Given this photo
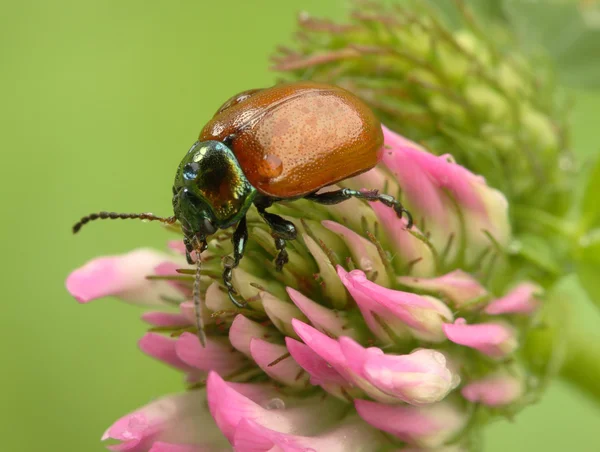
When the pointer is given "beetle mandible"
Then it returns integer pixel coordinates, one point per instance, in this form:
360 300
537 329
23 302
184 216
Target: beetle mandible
263 146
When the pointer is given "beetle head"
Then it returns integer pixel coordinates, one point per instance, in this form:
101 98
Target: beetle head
210 190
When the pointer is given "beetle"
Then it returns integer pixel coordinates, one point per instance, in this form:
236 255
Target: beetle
263 146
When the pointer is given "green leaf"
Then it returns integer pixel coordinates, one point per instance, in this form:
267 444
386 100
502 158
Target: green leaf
590 206
567 30
540 252
588 265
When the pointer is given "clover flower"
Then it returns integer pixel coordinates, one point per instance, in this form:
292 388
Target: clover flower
373 336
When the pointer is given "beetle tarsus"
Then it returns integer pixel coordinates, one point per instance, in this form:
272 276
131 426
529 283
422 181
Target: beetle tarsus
282 257
239 240
338 196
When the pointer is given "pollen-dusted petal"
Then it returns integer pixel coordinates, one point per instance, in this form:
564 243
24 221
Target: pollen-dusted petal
403 312
181 416
285 371
218 355
411 253
364 253
165 319
243 330
228 407
163 348
331 286
424 426
281 313
332 323
520 300
123 276
354 435
457 286
418 378
498 389
495 339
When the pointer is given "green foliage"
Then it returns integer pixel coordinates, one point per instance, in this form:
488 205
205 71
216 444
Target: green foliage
590 206
568 31
588 265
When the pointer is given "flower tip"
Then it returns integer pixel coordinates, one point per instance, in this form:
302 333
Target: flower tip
80 285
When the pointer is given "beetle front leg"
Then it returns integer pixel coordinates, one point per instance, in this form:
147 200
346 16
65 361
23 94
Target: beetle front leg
239 240
338 196
281 230
188 251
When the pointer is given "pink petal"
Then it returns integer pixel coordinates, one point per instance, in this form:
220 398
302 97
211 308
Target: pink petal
243 330
330 322
123 276
355 357
496 340
494 390
424 426
369 308
433 187
418 378
410 251
165 319
403 311
163 349
286 371
521 300
458 286
166 447
174 416
364 253
217 355
353 436
228 407
328 349
320 371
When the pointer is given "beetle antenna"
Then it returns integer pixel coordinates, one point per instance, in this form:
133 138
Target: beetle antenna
196 294
121 216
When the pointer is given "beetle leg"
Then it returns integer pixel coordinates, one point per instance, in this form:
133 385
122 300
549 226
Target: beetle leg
188 251
281 230
239 240
337 196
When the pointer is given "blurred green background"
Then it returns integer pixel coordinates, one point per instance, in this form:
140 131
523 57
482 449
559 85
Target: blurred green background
100 99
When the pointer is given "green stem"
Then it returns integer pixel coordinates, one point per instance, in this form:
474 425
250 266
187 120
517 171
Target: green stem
581 368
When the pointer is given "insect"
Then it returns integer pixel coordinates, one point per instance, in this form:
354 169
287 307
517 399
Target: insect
261 147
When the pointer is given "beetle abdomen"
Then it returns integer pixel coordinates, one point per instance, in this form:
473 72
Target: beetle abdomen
293 139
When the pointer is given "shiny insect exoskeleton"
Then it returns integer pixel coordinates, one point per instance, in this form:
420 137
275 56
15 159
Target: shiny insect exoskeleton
263 146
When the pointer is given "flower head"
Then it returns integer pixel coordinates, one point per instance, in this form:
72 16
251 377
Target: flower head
370 347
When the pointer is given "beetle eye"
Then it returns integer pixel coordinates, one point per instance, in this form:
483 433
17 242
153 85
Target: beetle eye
190 171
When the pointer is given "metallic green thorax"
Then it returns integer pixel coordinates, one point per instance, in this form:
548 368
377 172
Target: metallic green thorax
210 189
